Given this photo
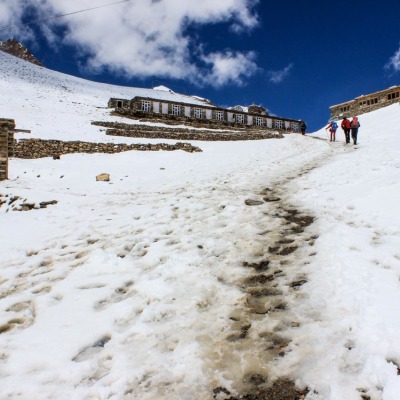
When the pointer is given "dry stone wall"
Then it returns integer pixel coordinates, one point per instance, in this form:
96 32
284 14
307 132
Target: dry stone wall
154 132
38 148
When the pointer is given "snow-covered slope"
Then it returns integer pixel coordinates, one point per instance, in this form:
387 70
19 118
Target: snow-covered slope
59 106
135 289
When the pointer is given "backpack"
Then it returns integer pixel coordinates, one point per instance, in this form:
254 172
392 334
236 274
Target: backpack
355 123
334 126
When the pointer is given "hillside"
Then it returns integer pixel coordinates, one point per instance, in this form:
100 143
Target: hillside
242 270
58 106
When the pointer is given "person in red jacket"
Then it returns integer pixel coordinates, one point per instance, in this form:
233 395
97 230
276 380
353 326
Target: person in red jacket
346 129
332 129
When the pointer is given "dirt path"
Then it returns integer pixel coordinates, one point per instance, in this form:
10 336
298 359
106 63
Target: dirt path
263 323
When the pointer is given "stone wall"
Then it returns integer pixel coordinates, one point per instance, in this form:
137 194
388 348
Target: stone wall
366 103
6 145
38 148
153 132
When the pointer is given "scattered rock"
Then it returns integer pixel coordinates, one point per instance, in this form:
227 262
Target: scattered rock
287 250
251 202
27 206
270 199
281 389
103 177
260 266
297 284
258 279
264 292
44 204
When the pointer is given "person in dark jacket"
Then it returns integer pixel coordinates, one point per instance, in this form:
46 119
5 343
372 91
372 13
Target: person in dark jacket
303 127
346 129
354 125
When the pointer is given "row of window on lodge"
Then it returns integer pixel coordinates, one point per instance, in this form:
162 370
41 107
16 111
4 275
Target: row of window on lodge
199 113
370 102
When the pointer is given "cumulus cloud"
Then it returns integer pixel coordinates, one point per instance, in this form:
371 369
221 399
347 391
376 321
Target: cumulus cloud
394 62
279 76
230 67
142 38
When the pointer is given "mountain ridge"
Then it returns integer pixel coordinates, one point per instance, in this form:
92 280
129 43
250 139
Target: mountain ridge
17 49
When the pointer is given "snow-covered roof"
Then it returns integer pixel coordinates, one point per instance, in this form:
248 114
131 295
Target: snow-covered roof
163 89
239 108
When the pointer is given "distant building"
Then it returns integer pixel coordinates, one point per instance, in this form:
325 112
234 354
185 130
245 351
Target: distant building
366 103
201 112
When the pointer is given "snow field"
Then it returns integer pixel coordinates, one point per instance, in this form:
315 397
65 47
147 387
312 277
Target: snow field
135 288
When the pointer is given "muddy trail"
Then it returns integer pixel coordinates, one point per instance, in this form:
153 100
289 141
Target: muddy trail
263 323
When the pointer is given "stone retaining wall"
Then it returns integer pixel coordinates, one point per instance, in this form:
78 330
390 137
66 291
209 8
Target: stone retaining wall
38 148
154 132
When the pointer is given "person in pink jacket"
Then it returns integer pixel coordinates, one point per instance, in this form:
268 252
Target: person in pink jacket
354 125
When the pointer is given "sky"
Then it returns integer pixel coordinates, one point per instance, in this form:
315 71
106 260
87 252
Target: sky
137 288
294 58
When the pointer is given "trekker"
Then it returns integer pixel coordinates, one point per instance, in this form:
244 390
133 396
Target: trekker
303 127
346 129
332 129
354 125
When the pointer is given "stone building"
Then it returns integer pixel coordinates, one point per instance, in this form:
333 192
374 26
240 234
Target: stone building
202 113
6 145
366 103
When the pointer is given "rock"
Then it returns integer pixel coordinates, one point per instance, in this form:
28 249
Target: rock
270 199
27 206
251 202
44 204
103 177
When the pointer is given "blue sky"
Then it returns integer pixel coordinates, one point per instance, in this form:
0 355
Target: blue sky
295 58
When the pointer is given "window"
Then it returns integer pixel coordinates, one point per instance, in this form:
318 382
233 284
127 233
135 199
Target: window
372 101
240 119
176 110
197 113
344 109
219 115
259 121
368 102
146 106
278 124
394 95
294 126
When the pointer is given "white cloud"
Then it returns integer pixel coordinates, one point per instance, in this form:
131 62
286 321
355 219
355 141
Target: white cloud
394 62
147 37
279 76
229 67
